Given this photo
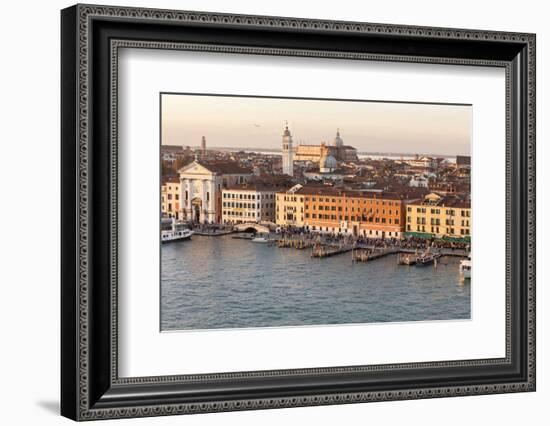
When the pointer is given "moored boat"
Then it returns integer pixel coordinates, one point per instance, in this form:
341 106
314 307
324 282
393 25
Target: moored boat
245 236
178 231
426 259
465 269
259 240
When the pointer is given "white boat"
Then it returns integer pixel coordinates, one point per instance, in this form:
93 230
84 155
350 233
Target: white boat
426 259
465 269
259 240
177 232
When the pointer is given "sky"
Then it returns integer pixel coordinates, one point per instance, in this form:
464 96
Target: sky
248 122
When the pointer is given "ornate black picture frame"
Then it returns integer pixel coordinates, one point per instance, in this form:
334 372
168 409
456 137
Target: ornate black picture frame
91 388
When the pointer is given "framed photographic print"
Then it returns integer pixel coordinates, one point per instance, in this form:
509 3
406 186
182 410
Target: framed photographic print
263 212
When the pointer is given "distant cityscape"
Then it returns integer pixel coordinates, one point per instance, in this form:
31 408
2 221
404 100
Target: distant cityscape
359 153
327 188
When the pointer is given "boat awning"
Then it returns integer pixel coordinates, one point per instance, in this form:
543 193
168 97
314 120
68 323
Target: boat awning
419 235
465 239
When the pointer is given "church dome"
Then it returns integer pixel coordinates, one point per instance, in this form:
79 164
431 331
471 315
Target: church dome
338 141
327 163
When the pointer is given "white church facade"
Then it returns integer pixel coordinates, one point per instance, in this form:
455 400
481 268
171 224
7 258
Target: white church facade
201 186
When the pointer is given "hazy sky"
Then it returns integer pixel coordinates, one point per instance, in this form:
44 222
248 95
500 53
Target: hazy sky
368 126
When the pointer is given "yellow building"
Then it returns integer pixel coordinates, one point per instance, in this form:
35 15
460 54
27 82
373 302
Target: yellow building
446 217
289 208
170 199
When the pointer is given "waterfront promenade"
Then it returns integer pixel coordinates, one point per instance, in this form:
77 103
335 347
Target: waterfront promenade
328 245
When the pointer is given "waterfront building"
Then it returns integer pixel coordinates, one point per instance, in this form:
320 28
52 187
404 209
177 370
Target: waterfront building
170 198
248 202
440 216
374 214
289 208
288 153
201 185
337 211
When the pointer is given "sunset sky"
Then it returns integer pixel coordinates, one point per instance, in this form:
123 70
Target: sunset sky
245 122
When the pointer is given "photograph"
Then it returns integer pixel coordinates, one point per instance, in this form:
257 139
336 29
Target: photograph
272 208
288 212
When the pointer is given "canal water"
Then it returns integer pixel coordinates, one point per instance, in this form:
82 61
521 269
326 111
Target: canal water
222 282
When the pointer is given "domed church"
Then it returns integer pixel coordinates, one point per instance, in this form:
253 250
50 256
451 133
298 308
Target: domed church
336 150
327 162
338 142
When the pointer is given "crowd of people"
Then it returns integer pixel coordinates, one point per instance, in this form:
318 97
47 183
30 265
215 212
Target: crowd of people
409 242
347 239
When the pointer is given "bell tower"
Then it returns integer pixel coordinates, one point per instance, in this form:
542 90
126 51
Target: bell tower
288 152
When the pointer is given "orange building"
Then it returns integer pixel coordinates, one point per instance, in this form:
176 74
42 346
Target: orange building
358 213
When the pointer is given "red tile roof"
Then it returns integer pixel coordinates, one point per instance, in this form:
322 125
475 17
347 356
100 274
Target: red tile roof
225 167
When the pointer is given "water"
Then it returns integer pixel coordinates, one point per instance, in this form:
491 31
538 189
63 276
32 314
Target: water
222 282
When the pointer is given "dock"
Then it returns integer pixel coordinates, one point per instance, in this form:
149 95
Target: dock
322 251
298 244
366 255
407 259
360 252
